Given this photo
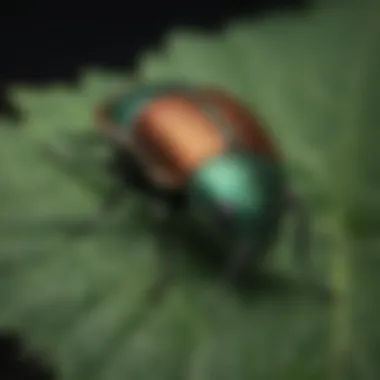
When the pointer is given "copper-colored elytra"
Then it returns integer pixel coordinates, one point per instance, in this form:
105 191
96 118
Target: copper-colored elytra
157 164
174 134
248 129
179 134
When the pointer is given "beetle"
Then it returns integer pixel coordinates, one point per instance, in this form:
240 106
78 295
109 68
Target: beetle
198 151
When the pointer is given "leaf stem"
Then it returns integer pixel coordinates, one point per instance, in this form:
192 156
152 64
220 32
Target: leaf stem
341 184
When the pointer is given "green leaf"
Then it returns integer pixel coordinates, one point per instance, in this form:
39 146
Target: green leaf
313 77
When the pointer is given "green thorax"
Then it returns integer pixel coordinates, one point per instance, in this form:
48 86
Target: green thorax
128 106
238 193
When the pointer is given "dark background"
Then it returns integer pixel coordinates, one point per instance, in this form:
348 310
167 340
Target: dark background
43 42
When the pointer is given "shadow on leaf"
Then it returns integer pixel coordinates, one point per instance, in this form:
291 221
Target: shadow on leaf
17 363
203 259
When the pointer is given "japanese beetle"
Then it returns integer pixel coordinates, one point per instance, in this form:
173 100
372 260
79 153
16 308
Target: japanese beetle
200 152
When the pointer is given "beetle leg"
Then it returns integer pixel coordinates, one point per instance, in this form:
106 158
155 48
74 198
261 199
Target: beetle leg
160 213
167 211
240 258
164 218
127 175
109 205
238 261
70 167
163 278
302 245
302 234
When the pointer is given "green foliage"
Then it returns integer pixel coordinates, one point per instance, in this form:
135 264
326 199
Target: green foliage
314 79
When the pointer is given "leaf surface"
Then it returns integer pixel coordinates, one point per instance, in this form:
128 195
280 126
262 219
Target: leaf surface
314 80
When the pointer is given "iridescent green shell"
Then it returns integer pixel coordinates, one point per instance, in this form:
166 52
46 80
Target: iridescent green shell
249 187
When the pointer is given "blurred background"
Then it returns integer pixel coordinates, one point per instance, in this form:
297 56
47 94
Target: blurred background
44 42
